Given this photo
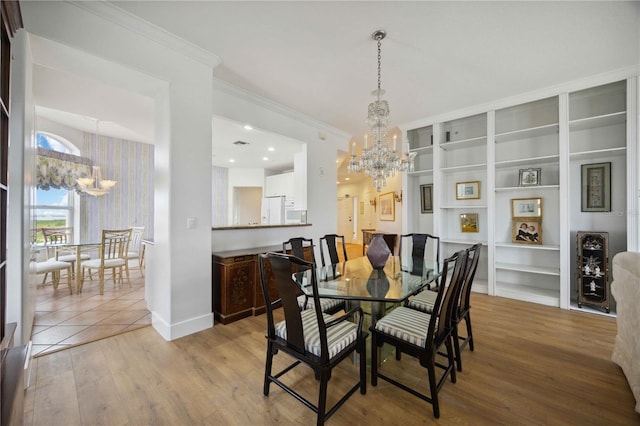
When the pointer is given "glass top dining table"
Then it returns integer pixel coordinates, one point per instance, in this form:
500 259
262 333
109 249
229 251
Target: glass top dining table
357 280
78 246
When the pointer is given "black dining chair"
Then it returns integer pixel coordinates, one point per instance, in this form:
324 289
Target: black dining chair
422 335
416 246
303 248
310 337
329 244
425 301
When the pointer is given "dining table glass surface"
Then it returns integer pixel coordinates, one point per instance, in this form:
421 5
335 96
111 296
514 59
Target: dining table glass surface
356 279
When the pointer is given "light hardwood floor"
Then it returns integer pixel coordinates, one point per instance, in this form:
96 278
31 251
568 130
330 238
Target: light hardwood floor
533 365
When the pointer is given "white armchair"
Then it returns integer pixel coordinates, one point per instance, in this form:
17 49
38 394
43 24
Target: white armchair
626 290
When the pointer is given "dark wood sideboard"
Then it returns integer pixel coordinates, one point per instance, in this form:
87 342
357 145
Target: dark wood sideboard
367 235
237 292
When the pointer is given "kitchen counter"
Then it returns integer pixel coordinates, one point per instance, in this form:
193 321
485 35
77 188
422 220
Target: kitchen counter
289 225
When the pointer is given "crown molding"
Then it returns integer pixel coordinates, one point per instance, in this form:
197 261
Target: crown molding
555 90
133 23
278 108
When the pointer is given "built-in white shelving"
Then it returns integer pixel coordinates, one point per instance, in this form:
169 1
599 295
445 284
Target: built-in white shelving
557 135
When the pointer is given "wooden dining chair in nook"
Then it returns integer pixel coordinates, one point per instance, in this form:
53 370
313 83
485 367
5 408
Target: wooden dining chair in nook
425 301
54 236
303 248
310 337
53 267
136 248
422 335
112 254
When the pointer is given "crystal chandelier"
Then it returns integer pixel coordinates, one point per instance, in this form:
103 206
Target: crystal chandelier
380 160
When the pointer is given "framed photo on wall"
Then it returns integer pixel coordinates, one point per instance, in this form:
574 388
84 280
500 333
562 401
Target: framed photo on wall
529 177
526 230
467 190
526 207
387 207
596 187
469 222
426 198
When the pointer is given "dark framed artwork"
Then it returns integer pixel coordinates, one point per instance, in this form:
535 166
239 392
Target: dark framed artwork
526 230
596 187
426 198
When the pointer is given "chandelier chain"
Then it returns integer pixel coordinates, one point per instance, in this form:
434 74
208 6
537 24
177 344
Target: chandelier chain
379 61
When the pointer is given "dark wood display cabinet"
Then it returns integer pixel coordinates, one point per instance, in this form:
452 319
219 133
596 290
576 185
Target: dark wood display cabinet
593 270
237 292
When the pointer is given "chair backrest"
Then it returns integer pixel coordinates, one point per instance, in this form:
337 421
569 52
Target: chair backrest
115 244
56 235
297 245
330 242
136 239
447 298
417 246
288 289
473 257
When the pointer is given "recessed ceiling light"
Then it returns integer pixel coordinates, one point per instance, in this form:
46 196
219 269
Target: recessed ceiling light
347 178
337 161
248 127
265 158
338 182
271 148
231 160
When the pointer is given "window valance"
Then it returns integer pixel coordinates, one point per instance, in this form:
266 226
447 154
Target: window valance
59 170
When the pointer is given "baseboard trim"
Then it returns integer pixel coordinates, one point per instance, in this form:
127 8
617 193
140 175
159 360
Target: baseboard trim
184 328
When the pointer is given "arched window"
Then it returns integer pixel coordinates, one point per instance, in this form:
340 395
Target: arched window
54 207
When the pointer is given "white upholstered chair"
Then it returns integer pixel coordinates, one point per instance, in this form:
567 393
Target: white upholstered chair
136 249
112 255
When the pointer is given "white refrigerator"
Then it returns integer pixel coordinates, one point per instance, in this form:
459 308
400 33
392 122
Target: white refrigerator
272 211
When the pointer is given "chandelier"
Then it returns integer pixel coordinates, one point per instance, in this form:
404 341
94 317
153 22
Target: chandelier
380 160
95 185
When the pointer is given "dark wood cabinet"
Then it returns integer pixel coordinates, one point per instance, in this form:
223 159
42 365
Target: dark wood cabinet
367 235
237 292
593 270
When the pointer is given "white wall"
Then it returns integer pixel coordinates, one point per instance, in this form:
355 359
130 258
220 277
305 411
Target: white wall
120 53
21 286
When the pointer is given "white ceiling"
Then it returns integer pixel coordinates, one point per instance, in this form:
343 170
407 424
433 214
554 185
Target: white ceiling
318 57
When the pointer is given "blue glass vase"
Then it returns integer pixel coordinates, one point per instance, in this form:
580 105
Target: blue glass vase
378 251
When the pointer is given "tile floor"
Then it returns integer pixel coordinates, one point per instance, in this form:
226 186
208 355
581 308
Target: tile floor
63 320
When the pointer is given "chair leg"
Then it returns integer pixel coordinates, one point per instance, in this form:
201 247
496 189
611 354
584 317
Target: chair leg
456 347
450 358
126 270
322 398
101 277
267 369
56 279
374 359
467 320
69 281
433 386
363 366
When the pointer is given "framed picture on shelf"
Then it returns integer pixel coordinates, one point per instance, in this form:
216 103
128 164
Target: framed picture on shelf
426 198
387 207
526 230
526 207
529 177
467 190
469 222
596 187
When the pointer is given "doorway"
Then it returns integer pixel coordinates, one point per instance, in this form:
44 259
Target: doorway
347 218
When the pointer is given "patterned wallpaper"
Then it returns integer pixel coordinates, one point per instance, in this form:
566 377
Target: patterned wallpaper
130 202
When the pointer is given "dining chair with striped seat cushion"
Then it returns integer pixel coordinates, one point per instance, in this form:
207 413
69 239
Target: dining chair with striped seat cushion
425 301
330 306
311 337
422 335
